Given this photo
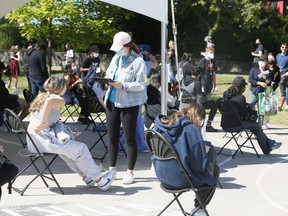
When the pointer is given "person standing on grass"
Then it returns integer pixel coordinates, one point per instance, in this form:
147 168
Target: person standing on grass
14 65
123 98
37 68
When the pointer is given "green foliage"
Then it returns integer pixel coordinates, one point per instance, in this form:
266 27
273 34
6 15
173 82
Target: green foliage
79 22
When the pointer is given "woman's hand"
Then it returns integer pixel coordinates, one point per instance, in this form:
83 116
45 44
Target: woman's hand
116 84
1 149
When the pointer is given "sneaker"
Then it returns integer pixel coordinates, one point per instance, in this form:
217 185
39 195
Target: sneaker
279 109
128 178
106 180
89 182
200 212
265 127
114 174
275 145
211 129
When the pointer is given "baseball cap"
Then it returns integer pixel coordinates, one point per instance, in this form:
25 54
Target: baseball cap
119 40
239 81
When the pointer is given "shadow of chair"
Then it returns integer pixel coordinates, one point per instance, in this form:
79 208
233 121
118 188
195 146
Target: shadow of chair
162 150
19 128
232 123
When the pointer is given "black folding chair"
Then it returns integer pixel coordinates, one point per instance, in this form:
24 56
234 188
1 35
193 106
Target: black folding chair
71 108
162 150
19 128
95 106
232 123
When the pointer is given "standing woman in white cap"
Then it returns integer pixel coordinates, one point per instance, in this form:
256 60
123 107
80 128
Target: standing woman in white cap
123 98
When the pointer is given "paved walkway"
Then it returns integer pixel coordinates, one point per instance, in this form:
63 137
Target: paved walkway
252 186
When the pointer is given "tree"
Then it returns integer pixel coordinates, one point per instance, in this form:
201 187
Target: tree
79 22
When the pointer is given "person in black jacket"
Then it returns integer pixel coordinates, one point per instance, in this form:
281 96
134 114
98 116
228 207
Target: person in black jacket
7 170
192 93
235 95
37 67
30 45
13 102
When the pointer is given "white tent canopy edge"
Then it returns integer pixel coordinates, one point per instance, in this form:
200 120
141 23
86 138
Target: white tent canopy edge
156 9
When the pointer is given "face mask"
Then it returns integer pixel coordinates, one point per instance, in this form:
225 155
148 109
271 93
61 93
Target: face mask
261 64
121 53
95 55
210 56
271 62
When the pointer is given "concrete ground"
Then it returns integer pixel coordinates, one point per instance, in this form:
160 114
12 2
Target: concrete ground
251 186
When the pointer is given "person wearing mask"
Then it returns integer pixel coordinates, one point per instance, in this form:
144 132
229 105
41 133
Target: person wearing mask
50 138
192 93
125 94
282 62
91 58
37 67
182 130
209 67
259 77
235 94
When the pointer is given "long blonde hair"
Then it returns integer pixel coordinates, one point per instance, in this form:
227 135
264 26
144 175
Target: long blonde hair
53 85
195 112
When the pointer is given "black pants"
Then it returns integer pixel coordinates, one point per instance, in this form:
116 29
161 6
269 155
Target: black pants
128 117
82 103
7 173
212 105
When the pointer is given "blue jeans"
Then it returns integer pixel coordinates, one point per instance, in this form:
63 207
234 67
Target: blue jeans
37 85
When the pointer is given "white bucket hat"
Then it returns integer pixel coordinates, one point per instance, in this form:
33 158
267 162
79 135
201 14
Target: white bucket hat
119 40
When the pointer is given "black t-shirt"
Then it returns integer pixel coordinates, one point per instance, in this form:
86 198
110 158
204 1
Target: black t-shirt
88 60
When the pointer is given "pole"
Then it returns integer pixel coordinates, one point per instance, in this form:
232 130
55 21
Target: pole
164 74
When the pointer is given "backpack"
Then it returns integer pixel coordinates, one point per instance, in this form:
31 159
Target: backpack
91 74
186 96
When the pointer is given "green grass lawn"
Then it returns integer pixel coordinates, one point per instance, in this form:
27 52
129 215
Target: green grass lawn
223 82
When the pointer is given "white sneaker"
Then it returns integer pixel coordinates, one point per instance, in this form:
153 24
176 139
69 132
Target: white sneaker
114 174
128 178
265 127
200 212
106 180
89 182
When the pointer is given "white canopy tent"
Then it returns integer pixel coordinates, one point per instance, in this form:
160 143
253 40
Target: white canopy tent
156 9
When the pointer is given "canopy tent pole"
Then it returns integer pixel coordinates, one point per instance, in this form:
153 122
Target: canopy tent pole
164 74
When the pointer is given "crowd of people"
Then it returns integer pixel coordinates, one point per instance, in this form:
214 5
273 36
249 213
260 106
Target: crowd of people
125 93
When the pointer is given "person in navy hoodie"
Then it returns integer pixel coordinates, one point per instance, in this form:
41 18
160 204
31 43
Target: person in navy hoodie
182 130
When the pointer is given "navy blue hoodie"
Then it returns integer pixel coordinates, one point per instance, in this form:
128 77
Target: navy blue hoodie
190 146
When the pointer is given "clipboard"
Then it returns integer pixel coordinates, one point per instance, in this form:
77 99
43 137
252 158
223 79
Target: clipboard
103 80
